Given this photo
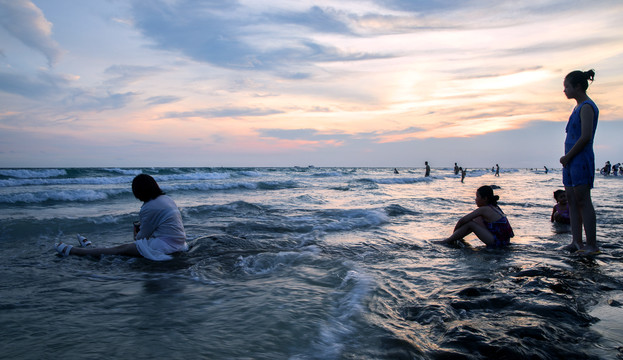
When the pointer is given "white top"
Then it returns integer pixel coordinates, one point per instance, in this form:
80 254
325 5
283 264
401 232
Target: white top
160 218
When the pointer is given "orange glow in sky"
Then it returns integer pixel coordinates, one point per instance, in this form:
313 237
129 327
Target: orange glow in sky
332 83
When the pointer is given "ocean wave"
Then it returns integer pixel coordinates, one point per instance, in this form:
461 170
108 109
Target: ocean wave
67 181
262 185
266 263
235 208
193 176
398 180
108 180
250 173
32 173
323 221
351 219
340 325
277 185
61 195
123 171
397 210
328 174
205 186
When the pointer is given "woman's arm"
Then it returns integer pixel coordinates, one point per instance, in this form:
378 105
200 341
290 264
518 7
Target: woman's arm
148 225
469 217
587 116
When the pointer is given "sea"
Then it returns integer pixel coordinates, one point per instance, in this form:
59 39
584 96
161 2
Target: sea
305 263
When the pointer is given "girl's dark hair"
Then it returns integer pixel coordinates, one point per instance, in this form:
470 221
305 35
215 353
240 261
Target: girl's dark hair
145 188
486 192
557 193
579 77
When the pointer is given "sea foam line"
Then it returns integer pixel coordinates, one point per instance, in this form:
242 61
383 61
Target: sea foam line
32 173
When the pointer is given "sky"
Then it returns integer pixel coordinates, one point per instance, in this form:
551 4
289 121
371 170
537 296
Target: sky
393 83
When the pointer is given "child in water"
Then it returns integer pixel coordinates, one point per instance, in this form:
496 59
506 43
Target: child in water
488 222
560 213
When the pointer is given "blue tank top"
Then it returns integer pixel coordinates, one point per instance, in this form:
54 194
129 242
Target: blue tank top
574 129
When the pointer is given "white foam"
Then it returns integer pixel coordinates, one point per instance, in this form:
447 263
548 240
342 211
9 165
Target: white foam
63 195
346 220
266 263
340 325
32 173
67 181
123 171
193 176
211 186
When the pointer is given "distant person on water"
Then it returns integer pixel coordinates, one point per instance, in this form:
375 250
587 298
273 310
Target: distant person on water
578 163
546 170
488 222
463 172
456 169
159 234
427 169
560 212
497 170
615 169
606 169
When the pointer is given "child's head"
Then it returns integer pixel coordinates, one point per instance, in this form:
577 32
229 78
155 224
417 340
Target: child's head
486 193
560 196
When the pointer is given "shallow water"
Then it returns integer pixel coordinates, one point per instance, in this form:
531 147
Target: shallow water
305 263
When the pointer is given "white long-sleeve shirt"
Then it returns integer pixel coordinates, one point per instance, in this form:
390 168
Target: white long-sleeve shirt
160 218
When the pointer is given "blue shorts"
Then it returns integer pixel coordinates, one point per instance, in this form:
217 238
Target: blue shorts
579 171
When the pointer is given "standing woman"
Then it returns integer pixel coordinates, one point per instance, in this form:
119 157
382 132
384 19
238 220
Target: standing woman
578 162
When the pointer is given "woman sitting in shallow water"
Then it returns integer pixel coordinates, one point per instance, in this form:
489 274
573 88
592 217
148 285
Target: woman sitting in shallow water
161 230
488 222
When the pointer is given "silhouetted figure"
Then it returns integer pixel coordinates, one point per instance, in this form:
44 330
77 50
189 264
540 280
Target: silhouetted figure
578 173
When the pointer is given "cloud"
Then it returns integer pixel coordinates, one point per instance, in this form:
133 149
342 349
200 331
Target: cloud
223 113
303 134
161 100
122 75
316 19
26 22
232 36
42 85
87 101
420 5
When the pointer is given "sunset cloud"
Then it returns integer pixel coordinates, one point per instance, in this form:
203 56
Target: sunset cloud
329 80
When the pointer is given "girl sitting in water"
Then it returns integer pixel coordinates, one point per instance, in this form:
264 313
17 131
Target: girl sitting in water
160 234
488 222
560 212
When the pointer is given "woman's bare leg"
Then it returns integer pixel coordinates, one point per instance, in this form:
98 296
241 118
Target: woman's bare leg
471 227
588 217
125 250
575 219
